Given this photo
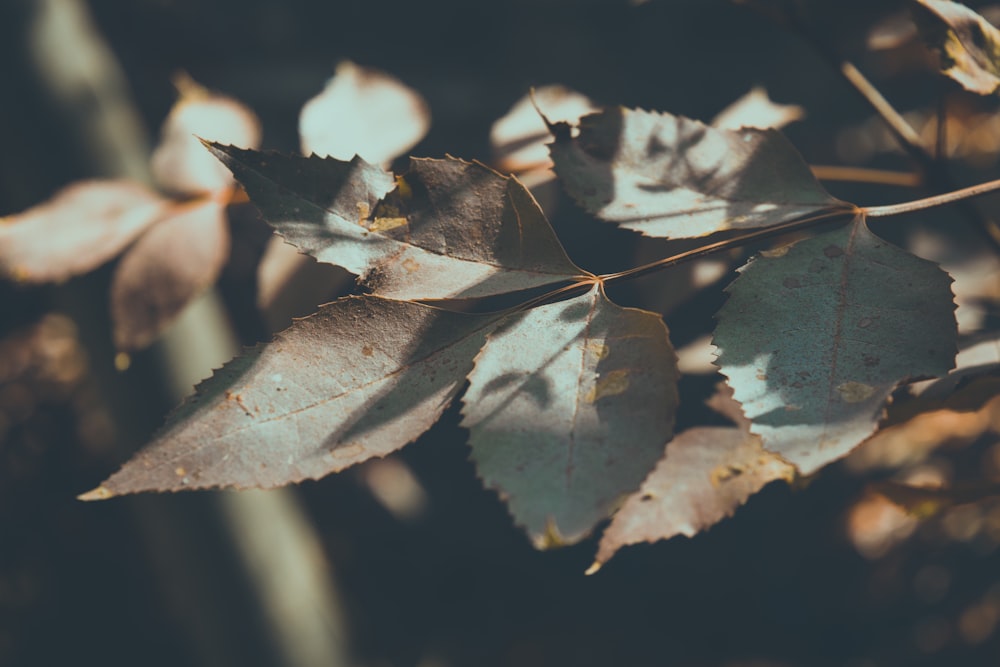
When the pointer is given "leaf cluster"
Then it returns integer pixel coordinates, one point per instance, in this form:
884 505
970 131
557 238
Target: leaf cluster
570 400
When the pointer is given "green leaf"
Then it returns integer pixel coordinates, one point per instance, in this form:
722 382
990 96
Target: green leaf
671 177
815 338
451 229
568 407
359 379
968 45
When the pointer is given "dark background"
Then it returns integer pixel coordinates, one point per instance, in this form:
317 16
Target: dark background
780 584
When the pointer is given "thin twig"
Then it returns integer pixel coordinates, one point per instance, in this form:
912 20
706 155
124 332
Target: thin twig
720 246
905 135
937 178
865 175
931 202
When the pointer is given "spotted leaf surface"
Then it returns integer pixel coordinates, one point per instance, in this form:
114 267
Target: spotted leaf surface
672 177
814 338
359 379
568 409
445 229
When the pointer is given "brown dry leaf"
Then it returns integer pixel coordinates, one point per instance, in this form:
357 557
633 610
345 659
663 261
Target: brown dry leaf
706 474
171 264
180 163
444 229
969 46
82 227
358 380
364 112
755 109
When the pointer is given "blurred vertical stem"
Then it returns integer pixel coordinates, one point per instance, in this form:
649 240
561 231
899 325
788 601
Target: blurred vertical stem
279 561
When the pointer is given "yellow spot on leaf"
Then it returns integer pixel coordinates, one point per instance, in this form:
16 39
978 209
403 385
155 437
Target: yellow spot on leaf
725 473
384 224
363 211
611 384
776 252
179 471
403 188
855 392
347 451
599 350
551 538
411 265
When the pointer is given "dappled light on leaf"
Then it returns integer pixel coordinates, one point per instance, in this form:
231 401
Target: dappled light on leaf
180 163
449 229
968 45
568 408
672 177
359 379
363 112
814 341
519 138
81 228
167 267
756 109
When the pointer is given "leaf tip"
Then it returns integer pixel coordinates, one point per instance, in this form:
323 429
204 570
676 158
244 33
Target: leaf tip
594 567
187 88
100 493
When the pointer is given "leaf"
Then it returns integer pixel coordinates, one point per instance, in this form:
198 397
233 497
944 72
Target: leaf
568 408
359 379
519 138
80 228
706 474
169 265
969 47
815 339
671 177
363 112
180 164
755 109
450 229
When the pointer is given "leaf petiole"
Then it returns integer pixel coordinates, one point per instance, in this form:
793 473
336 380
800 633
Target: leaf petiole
931 202
726 244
